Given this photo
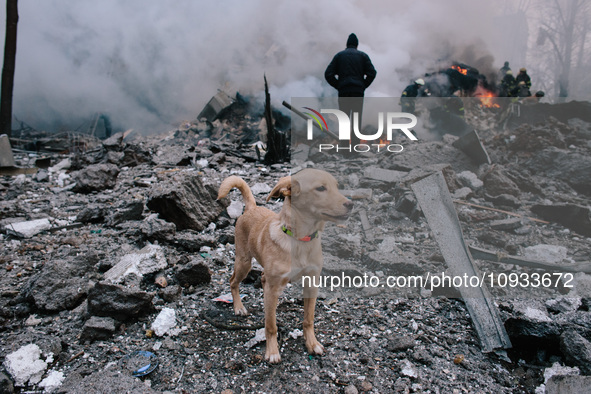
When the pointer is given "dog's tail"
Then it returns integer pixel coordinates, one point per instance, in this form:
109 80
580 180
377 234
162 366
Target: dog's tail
238 183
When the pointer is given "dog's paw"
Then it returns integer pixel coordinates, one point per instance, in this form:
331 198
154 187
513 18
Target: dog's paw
241 311
273 358
315 348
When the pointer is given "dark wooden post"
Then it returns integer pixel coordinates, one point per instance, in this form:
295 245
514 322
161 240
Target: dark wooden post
8 69
277 149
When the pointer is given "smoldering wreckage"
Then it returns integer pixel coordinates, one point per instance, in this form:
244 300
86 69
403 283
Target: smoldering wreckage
116 259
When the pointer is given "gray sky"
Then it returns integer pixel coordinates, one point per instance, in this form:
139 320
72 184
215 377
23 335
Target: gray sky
151 64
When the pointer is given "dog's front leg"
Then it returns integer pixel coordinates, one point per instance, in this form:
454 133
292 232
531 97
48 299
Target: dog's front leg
310 295
272 288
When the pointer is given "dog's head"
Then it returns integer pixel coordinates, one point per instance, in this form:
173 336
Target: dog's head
314 192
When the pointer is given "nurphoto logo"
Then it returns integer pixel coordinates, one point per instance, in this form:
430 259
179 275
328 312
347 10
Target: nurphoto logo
375 140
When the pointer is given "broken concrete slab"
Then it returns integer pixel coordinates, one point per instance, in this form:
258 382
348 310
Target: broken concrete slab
571 216
437 206
469 179
60 285
118 302
564 304
496 182
193 272
98 329
215 106
95 177
6 156
471 145
545 253
572 167
577 350
568 384
129 211
148 260
384 175
506 224
29 228
183 199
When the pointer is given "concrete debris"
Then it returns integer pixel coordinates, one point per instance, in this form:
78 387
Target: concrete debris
472 146
186 201
438 208
98 329
30 228
25 365
469 179
193 272
408 369
148 260
259 336
577 350
384 175
6 156
235 209
53 381
545 253
165 321
215 106
260 188
574 217
118 302
528 220
564 304
95 177
496 182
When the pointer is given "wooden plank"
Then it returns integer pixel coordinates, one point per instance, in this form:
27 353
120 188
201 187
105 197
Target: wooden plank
437 206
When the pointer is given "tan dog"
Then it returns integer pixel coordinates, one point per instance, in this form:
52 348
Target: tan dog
287 244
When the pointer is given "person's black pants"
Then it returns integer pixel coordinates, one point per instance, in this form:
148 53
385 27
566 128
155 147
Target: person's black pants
350 103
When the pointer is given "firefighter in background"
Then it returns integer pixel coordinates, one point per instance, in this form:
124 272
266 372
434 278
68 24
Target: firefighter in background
407 99
508 85
503 70
522 90
523 77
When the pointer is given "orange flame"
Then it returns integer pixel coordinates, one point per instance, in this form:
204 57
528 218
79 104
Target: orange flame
486 98
459 69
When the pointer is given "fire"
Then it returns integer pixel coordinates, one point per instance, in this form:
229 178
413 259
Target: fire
486 98
459 69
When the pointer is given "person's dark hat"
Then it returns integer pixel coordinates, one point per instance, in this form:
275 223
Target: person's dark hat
352 41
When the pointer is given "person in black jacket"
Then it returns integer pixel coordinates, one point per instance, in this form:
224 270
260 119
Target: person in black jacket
351 72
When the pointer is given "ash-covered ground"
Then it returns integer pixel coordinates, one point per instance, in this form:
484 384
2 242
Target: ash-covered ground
122 248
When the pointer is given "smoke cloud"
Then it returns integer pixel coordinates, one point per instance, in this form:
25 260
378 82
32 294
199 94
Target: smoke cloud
151 64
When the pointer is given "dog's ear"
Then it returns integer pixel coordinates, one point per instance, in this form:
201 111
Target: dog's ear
281 189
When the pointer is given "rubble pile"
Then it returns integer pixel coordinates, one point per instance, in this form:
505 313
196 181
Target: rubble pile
123 248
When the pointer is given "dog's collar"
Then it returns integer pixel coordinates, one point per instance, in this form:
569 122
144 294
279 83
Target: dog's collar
307 238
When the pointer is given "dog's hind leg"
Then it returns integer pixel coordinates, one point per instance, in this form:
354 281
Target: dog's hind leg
242 266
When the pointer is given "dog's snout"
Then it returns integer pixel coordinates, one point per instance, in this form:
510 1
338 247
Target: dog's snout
348 205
